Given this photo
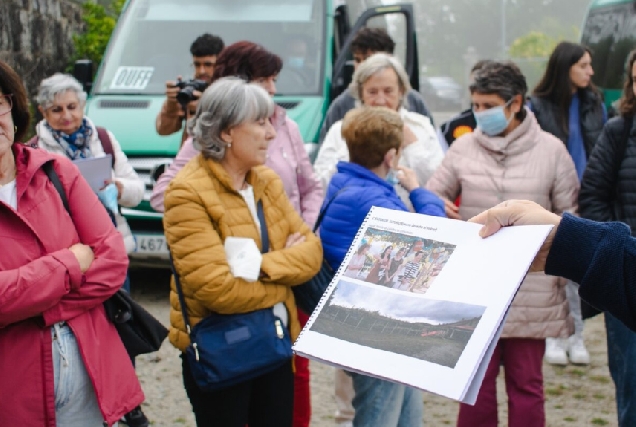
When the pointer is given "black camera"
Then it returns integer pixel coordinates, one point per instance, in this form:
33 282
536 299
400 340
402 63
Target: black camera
186 94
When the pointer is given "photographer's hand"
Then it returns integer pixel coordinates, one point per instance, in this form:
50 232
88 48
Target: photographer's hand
172 106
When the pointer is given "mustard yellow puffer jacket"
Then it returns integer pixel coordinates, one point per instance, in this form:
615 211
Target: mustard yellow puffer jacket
201 210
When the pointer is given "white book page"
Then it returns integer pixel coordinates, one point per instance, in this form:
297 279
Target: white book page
96 170
432 325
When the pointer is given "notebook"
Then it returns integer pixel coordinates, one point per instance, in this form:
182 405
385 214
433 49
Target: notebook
96 170
423 303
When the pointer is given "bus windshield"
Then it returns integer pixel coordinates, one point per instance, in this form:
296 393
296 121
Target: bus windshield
151 44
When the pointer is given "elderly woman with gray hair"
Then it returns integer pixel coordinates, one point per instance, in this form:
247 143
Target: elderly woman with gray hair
219 194
67 131
381 81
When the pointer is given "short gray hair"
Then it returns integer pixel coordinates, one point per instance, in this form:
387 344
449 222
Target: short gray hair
56 84
227 103
373 65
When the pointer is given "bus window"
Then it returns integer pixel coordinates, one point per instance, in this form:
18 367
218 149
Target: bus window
395 25
153 39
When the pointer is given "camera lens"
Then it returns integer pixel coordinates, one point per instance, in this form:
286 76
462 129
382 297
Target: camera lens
185 95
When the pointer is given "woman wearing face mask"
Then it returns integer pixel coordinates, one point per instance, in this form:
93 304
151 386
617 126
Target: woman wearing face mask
567 105
286 155
374 138
380 81
508 157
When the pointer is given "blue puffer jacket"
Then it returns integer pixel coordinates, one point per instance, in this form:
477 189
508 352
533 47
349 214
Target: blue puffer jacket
364 189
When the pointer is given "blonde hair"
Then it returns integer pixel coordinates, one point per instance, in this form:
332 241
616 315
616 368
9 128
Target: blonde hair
370 132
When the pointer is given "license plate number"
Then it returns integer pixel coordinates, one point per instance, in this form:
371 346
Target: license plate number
150 245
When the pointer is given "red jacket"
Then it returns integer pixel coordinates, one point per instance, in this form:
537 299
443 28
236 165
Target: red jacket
41 284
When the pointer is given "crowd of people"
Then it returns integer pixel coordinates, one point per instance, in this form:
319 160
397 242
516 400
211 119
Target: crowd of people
243 172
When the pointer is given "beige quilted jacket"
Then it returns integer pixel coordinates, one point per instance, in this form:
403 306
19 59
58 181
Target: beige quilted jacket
201 210
526 164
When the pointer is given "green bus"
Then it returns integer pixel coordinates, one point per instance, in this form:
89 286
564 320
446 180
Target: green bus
150 45
610 31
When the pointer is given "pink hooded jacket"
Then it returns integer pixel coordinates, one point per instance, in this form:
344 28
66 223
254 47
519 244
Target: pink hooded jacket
41 284
286 156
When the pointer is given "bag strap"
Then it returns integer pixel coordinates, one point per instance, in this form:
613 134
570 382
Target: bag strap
55 180
323 211
107 144
264 232
177 282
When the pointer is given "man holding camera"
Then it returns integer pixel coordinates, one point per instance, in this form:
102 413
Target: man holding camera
204 51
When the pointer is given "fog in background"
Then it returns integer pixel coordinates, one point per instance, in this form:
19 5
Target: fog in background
453 34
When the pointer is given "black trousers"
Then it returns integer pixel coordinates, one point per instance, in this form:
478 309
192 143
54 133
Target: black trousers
265 401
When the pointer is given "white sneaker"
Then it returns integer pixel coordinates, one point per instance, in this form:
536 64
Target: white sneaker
555 351
577 352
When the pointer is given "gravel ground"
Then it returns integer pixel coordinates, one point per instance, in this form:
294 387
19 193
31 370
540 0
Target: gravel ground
575 395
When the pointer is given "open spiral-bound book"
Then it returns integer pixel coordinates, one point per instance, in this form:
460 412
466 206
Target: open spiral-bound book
421 301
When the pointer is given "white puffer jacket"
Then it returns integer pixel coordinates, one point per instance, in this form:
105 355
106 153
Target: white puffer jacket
423 156
133 186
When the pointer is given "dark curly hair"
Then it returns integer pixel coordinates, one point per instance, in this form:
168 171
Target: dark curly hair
556 86
501 78
11 84
207 45
627 103
248 61
372 40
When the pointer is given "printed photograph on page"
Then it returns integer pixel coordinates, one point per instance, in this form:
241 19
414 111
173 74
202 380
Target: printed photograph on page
398 261
426 329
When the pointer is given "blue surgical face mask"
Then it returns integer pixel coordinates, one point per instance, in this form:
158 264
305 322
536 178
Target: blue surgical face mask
493 121
296 61
392 178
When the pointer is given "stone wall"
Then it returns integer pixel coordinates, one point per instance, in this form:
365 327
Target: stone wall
36 37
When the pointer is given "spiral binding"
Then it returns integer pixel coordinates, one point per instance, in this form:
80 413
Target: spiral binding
337 275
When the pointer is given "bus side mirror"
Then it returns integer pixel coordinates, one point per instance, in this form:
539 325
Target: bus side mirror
83 72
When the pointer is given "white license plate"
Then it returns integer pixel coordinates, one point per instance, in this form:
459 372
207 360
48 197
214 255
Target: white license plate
154 244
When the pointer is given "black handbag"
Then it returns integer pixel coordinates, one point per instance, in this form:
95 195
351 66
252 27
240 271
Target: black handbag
308 294
139 331
228 349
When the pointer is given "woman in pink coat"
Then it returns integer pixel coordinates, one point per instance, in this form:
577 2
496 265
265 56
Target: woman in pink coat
62 362
510 157
286 155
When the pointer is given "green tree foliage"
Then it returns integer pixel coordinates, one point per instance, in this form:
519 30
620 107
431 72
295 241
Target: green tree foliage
99 24
535 44
447 28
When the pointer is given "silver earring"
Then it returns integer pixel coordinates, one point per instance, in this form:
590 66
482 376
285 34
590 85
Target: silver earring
15 129
229 144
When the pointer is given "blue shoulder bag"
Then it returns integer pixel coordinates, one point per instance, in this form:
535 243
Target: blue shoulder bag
228 349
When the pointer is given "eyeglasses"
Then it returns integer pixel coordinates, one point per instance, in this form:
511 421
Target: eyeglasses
6 103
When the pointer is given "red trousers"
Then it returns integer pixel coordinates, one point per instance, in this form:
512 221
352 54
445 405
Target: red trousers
522 359
302 397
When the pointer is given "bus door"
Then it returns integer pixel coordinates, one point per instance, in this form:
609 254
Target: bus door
399 21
